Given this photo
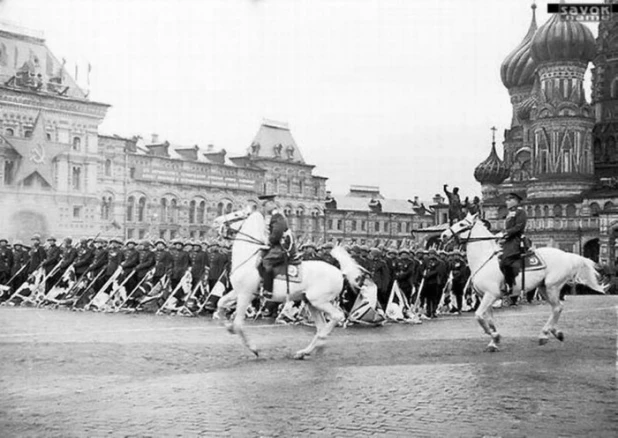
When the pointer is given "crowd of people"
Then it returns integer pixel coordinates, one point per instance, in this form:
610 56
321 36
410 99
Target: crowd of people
189 277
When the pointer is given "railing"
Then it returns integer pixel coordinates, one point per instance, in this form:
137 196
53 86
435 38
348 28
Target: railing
561 223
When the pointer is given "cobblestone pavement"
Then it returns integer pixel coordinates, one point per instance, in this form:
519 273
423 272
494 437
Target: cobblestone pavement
72 374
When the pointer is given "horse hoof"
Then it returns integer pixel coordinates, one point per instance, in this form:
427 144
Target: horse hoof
230 327
543 341
560 336
491 349
497 338
299 356
257 353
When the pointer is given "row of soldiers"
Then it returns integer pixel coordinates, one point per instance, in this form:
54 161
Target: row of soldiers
98 260
426 271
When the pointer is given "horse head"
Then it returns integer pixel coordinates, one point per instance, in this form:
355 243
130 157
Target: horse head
457 228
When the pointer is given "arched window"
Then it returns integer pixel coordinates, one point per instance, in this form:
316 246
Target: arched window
201 209
594 209
106 208
9 132
614 88
141 209
77 144
173 212
530 211
130 208
163 211
192 212
28 133
537 211
557 210
228 208
571 211
598 150
108 167
546 211
76 178
353 225
610 151
608 206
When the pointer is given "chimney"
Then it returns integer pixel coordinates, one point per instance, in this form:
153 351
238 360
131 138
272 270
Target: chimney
210 148
155 138
416 200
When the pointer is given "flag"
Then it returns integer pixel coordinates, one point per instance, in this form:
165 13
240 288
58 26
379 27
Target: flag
366 309
397 304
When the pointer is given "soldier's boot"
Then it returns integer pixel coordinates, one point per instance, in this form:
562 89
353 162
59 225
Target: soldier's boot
269 278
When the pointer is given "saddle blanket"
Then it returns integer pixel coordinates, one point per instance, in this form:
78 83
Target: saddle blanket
294 273
534 262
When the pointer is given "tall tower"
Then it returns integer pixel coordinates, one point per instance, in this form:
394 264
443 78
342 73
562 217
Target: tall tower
561 118
605 99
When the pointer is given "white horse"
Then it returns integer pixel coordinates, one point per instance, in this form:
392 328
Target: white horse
320 282
488 281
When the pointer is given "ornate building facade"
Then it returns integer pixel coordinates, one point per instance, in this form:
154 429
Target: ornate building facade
554 149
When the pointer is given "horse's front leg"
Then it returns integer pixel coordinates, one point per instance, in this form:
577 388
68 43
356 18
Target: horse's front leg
242 303
482 316
553 298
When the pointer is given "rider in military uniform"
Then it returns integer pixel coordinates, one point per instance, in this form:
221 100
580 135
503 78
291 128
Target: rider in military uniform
280 239
511 238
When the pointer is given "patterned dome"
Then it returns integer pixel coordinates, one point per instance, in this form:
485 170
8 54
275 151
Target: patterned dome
492 170
517 69
563 40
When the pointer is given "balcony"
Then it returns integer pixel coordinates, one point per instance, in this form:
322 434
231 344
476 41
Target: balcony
562 224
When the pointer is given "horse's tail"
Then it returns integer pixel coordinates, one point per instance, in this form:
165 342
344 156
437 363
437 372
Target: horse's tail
588 275
350 269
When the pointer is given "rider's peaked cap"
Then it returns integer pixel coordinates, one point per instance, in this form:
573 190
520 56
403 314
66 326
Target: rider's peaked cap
267 197
514 196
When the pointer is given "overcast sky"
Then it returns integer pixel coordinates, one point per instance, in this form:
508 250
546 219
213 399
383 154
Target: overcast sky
400 94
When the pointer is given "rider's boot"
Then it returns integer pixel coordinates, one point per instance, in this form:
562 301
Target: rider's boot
269 278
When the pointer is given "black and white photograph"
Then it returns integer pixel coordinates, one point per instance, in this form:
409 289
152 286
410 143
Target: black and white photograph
308 218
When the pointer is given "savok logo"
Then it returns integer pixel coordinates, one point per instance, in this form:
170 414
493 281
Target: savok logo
583 11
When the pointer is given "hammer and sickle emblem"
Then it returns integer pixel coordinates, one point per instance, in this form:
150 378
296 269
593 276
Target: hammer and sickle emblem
37 154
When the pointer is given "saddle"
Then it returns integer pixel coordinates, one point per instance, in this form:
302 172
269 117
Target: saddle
294 272
531 260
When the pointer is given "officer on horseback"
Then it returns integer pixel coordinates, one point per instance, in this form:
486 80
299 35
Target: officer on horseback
280 240
511 238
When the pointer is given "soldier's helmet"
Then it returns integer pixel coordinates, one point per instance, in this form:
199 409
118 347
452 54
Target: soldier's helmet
146 243
177 242
328 246
375 253
68 240
2 239
404 251
162 241
17 242
115 240
51 239
99 240
355 248
36 237
130 242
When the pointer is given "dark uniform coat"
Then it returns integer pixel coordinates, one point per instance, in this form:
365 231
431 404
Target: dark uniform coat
83 259
199 261
514 227
280 247
114 259
180 263
69 254
131 259
6 261
219 262
163 262
146 263
53 256
20 258
99 260
37 256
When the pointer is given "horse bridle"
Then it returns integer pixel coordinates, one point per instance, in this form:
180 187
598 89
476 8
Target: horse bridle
469 228
250 238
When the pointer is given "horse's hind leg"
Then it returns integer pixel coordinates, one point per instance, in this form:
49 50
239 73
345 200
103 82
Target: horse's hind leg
553 298
318 317
484 319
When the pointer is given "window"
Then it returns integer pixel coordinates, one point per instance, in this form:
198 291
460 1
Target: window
339 225
220 209
48 135
172 212
9 168
192 212
27 133
106 208
77 212
385 226
141 209
77 144
557 210
571 211
132 173
546 211
9 132
609 205
399 228
163 210
329 224
353 225
537 211
162 234
76 178
228 208
363 226
130 233
130 208
173 234
201 209
594 209
108 167
142 234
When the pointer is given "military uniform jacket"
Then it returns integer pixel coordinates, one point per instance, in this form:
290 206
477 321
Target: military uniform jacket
405 274
277 226
114 259
69 255
99 260
37 256
131 259
163 262
54 253
307 256
20 258
146 262
84 257
379 273
460 271
6 260
180 263
514 227
443 271
199 261
218 265
432 274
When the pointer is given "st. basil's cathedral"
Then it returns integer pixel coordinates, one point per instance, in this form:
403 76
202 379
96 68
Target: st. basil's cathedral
560 151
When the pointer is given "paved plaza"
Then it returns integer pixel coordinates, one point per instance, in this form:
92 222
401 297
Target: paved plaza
70 374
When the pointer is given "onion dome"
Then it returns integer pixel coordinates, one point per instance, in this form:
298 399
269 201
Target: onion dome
563 40
492 170
518 68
